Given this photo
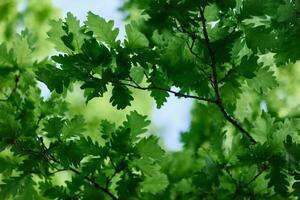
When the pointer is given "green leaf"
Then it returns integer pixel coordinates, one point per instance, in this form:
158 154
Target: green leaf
262 39
296 185
93 193
148 147
256 21
146 165
123 64
20 188
136 123
73 26
74 127
277 176
56 81
10 187
88 146
94 88
22 51
239 50
69 154
128 186
155 184
292 152
103 30
54 126
121 141
263 81
121 96
212 12
29 192
285 12
6 56
96 52
248 66
55 192
107 128
157 80
135 39
278 179
68 40
137 74
9 125
7 164
55 34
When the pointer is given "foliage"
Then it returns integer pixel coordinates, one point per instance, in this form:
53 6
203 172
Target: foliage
30 16
229 56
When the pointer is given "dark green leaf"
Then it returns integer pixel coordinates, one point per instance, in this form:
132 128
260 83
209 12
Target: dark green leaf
121 96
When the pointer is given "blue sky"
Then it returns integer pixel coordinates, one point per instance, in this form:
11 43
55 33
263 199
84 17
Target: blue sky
174 116
105 8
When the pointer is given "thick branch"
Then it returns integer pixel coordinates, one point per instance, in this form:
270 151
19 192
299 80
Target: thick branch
215 83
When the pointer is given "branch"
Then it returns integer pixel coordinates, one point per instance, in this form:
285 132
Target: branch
193 37
95 184
230 175
14 89
49 157
264 168
183 30
117 169
215 83
254 178
190 47
212 58
177 94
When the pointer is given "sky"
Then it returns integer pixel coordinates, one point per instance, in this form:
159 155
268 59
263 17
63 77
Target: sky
107 9
174 116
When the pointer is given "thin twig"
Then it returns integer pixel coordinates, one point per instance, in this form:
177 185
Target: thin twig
230 175
263 169
95 184
50 157
14 89
118 169
177 94
254 178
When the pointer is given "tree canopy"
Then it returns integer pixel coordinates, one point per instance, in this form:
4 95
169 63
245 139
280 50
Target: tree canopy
236 59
